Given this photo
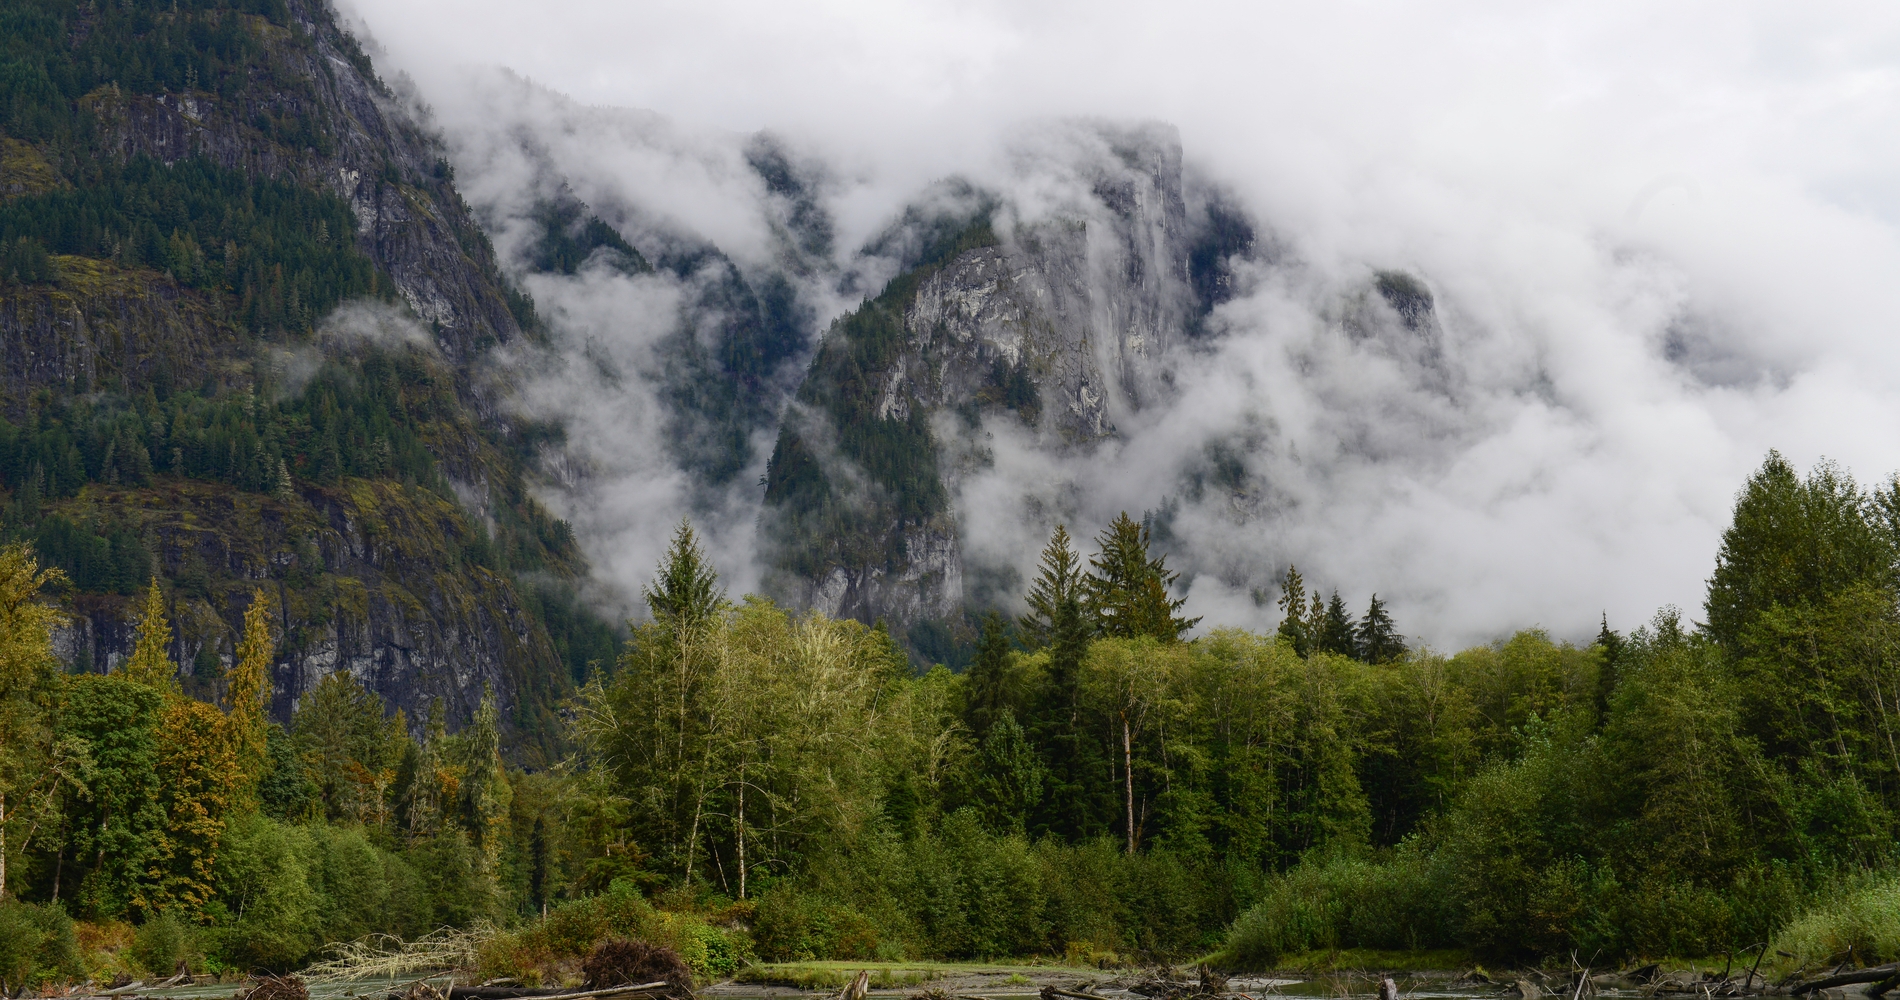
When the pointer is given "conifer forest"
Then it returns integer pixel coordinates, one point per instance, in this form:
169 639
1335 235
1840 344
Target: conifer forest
300 666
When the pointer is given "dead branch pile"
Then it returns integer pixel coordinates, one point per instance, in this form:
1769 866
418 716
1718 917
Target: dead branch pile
275 988
386 956
624 962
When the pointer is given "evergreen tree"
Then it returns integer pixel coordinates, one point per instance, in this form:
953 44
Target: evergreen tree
1125 592
150 663
1009 781
1056 581
1292 606
1068 809
1379 641
685 590
988 674
1791 543
1612 646
1337 630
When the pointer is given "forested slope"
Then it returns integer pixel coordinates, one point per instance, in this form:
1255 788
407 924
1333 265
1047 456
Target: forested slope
189 193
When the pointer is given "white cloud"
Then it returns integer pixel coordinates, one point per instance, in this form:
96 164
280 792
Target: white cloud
1590 189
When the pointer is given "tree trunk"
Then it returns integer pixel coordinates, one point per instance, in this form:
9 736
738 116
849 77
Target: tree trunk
1128 779
3 845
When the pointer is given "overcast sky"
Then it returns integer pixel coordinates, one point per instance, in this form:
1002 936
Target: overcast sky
1583 184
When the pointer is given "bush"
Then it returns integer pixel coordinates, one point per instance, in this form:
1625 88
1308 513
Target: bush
161 944
37 945
551 947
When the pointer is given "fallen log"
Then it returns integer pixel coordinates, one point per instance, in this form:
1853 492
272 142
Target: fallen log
1873 975
1880 988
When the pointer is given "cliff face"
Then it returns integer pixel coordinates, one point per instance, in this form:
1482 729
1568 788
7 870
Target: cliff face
150 404
1064 322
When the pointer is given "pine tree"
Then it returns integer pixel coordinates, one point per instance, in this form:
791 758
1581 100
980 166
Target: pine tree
1379 641
685 589
1126 592
1292 606
150 663
1058 578
1337 629
988 673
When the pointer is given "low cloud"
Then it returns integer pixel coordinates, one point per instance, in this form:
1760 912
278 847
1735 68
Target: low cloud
1658 242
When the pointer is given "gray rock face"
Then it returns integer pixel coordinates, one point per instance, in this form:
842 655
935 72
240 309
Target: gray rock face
1067 320
372 578
410 219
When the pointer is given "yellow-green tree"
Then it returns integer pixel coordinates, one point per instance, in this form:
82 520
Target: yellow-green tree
245 693
201 779
151 663
34 764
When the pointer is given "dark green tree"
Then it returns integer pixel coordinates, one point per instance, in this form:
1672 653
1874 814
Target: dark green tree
1009 776
1794 542
1337 630
988 675
1612 646
1292 606
685 590
1125 592
1379 640
1056 581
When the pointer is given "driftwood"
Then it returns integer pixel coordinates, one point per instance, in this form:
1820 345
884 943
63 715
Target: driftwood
1874 975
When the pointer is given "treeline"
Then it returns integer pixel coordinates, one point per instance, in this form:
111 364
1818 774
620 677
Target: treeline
750 782
237 843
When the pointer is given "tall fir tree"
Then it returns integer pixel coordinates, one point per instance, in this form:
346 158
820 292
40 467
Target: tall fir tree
685 592
1337 630
1379 640
1056 581
1292 606
988 674
151 663
1126 592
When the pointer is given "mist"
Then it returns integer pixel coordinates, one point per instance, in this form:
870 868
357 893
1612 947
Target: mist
1655 238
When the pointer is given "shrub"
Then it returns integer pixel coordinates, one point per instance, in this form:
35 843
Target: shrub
37 945
161 944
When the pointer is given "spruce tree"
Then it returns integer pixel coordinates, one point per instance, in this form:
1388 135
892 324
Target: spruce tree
1126 593
1055 582
1379 641
685 589
1292 606
1612 646
248 690
1337 629
988 672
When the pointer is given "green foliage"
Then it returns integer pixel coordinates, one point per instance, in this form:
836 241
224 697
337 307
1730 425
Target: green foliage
1126 592
1861 916
285 253
37 945
161 944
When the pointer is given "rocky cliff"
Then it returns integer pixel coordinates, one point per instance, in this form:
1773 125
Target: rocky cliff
1063 322
189 194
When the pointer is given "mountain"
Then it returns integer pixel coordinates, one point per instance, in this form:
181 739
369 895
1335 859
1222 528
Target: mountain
1062 325
191 190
